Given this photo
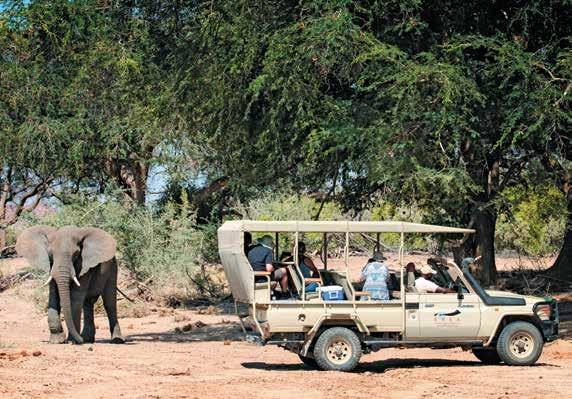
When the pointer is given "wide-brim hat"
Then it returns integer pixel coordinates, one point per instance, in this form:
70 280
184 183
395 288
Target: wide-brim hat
266 240
378 256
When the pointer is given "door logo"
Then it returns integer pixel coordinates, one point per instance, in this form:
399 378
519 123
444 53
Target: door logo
447 318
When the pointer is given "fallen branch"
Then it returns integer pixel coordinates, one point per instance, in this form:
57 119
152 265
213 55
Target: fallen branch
13 279
124 295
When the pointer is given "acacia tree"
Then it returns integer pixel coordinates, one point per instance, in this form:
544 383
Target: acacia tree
444 103
32 137
113 100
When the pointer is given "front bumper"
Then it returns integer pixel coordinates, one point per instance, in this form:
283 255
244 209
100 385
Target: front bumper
549 328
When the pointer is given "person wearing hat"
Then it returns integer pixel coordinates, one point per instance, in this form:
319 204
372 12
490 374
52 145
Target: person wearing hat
424 285
261 258
375 276
306 265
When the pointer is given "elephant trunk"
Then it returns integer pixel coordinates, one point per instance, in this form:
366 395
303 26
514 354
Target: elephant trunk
63 283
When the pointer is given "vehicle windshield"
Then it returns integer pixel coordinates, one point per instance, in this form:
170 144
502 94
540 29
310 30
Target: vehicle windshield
447 275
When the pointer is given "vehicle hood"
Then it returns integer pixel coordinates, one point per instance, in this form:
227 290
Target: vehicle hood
528 298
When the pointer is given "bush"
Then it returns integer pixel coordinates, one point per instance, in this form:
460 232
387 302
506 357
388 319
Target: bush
159 246
535 220
287 206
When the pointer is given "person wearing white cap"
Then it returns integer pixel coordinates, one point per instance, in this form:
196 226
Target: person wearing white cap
424 285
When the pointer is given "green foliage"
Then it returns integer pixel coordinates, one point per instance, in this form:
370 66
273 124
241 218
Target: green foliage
440 104
535 222
85 82
288 206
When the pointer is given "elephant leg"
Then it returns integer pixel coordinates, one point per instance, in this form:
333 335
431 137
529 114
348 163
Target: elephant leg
88 333
110 304
57 335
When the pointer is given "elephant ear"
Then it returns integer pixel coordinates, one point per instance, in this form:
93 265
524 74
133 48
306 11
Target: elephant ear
97 246
34 245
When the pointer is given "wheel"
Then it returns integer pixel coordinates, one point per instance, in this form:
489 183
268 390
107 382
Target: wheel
487 356
308 361
520 344
338 349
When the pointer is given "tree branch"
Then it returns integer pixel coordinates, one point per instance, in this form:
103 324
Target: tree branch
5 193
327 196
37 191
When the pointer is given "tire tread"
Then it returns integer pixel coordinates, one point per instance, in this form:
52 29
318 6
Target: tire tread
503 343
322 342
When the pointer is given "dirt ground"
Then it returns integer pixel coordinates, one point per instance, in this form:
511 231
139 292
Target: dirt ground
162 360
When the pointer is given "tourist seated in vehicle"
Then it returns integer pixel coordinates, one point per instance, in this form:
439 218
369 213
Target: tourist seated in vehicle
261 258
424 285
375 276
306 265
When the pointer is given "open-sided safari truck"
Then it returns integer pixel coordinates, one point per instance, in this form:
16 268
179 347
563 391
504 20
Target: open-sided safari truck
333 334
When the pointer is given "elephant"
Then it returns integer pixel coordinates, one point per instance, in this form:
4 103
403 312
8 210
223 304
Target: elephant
82 267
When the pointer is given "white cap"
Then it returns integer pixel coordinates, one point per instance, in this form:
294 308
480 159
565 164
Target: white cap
426 269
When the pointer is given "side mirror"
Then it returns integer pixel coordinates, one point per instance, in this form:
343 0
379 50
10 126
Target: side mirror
459 289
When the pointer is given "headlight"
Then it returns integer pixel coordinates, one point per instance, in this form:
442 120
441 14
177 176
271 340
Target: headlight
544 312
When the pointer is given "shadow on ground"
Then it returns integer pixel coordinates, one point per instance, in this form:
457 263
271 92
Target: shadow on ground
209 333
380 366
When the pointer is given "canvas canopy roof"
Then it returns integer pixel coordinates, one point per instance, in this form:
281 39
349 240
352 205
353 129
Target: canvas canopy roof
338 227
238 270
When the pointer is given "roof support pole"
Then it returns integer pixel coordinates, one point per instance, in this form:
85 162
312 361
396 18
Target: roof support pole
325 249
277 246
347 254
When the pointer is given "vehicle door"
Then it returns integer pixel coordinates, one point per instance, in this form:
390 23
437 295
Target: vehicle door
449 315
412 315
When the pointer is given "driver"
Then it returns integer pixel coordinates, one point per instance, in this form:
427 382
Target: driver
424 285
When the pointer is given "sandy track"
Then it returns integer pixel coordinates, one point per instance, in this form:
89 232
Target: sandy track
212 362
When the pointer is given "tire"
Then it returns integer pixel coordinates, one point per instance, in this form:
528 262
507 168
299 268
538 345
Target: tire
337 349
487 356
308 361
520 344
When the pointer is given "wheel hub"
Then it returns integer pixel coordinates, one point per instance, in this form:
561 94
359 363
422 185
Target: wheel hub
339 352
521 344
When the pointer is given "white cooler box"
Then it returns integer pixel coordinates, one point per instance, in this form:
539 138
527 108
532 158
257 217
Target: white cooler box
332 293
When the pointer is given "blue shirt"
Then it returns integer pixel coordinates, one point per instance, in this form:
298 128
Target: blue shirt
259 257
305 269
375 275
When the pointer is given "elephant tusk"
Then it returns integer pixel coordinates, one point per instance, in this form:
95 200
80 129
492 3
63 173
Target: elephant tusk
478 258
48 282
75 280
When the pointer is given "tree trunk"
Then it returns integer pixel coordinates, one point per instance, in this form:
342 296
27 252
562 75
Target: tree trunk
130 175
562 267
484 245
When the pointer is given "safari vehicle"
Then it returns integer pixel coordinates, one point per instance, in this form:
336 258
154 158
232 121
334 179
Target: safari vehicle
333 334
